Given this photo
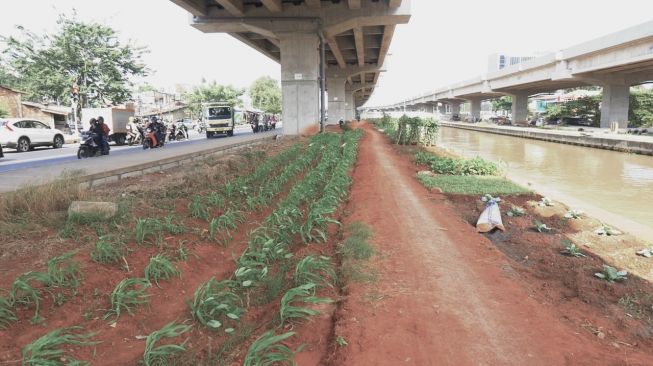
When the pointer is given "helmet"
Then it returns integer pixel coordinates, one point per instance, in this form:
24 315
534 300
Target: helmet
153 119
131 119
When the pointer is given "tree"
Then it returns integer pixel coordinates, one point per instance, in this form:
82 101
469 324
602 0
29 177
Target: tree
502 104
87 54
588 106
266 94
213 92
640 113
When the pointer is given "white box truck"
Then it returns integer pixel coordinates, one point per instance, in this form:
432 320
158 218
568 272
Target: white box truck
115 118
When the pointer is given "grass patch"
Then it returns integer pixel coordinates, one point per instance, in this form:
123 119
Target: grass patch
356 245
50 350
108 250
472 184
456 166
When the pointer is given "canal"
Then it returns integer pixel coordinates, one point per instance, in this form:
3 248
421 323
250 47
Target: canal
614 187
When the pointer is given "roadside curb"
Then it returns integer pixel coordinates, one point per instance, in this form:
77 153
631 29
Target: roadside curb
628 146
111 176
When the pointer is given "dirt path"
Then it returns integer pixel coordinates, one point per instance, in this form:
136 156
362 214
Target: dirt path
444 295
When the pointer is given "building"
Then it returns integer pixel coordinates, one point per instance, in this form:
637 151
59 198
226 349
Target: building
55 116
170 114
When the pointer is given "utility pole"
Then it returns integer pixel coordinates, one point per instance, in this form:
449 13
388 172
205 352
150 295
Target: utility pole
75 99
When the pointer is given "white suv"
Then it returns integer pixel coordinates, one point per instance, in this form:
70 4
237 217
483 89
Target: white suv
23 134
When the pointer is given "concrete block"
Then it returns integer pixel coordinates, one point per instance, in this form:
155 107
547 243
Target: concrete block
110 179
169 166
153 169
135 173
104 209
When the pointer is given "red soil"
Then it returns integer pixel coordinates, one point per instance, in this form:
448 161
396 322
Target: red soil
444 295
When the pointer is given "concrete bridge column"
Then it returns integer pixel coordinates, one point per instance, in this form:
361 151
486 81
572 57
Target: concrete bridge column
519 107
337 99
615 104
455 108
475 109
349 106
299 82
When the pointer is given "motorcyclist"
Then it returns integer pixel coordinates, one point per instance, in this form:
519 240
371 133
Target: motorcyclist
132 128
105 135
184 129
96 130
159 130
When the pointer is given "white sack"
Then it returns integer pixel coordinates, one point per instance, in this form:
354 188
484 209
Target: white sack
490 217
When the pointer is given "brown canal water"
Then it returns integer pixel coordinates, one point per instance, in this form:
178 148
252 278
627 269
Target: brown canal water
614 187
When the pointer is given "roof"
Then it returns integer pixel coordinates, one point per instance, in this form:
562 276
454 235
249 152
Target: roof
12 89
163 110
52 109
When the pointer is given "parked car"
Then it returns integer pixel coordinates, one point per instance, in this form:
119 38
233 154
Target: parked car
1 154
188 122
23 134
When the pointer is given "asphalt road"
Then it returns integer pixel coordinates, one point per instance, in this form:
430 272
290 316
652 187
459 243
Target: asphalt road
43 156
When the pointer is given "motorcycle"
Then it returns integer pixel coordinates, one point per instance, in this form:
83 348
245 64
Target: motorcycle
151 139
137 138
88 148
176 134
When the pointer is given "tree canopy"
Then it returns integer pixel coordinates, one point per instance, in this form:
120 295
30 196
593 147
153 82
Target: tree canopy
266 94
502 104
213 92
641 108
87 54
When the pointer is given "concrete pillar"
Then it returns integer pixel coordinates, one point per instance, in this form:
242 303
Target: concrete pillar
349 106
475 109
337 101
519 108
615 104
299 82
455 108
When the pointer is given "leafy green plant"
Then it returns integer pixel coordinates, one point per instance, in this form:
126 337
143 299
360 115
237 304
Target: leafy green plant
225 223
22 291
611 274
160 267
182 252
304 294
607 231
487 198
216 199
215 305
545 202
572 250
541 227
63 271
107 251
153 228
515 211
198 209
163 354
50 349
341 341
317 270
128 294
267 350
7 315
574 214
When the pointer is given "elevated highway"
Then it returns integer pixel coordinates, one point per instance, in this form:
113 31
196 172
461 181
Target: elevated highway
352 35
615 62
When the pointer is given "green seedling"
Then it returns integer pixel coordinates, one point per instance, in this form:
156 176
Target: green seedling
607 231
488 198
128 294
267 350
182 252
216 306
225 223
317 270
146 228
198 209
545 202
162 355
51 349
216 199
107 251
63 271
341 341
574 214
304 294
23 293
160 267
572 250
611 274
515 212
541 227
7 315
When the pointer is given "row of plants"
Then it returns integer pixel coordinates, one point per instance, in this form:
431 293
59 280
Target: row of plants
409 130
456 166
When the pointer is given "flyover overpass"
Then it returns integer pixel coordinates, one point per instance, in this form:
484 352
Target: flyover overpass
615 62
353 35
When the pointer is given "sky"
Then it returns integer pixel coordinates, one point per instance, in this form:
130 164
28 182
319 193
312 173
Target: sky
445 41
